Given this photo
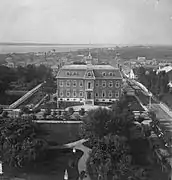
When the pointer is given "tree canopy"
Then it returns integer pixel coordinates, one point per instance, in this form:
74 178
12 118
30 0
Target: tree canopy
22 141
113 136
156 83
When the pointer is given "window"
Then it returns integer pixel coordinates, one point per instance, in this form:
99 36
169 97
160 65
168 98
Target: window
110 94
110 74
110 84
81 93
68 73
74 83
74 73
97 83
74 93
89 85
103 94
61 83
81 83
117 94
103 74
96 94
68 93
89 74
117 84
68 83
104 83
61 93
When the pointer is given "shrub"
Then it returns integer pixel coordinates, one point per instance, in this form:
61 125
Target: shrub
71 111
82 112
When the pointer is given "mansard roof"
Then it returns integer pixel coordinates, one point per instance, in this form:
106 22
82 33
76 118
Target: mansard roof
99 71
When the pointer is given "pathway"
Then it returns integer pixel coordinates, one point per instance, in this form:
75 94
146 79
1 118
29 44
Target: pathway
82 162
83 159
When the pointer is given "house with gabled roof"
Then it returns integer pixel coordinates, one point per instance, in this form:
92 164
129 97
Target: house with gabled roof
89 84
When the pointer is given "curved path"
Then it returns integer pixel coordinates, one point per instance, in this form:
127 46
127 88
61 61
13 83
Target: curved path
83 159
82 162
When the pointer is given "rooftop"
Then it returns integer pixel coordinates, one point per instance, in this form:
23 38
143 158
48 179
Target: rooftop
166 69
76 66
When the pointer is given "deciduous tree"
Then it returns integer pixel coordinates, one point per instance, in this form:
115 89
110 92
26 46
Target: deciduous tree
22 141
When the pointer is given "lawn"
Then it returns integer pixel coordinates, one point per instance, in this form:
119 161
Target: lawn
51 169
62 133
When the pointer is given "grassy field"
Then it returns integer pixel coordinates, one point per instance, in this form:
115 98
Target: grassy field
61 133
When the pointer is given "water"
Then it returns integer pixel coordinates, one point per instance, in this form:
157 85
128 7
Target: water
43 48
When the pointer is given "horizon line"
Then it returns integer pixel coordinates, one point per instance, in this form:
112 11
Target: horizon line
78 44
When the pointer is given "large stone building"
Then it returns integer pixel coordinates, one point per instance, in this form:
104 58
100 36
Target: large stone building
89 83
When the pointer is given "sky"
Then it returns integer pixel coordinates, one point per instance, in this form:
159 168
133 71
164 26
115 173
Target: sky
86 21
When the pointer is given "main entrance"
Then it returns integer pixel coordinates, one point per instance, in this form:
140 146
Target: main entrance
89 98
89 95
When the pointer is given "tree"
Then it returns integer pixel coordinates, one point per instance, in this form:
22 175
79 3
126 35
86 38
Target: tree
25 110
1 110
5 114
21 141
66 116
113 136
82 112
95 124
71 111
47 112
110 157
54 114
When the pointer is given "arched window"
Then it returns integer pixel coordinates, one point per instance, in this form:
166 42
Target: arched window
81 93
61 93
89 74
117 94
68 83
117 84
97 83
89 85
110 74
110 84
96 94
110 94
74 93
104 83
68 73
103 94
103 73
61 83
74 83
81 83
68 93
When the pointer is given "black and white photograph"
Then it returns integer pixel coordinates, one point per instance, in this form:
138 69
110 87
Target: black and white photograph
85 89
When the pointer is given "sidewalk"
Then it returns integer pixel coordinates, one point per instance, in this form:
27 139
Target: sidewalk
83 159
166 109
82 162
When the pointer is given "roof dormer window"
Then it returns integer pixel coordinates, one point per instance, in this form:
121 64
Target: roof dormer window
103 74
89 74
110 74
74 73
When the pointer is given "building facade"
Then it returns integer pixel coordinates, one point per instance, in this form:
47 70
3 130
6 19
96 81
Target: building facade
89 83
